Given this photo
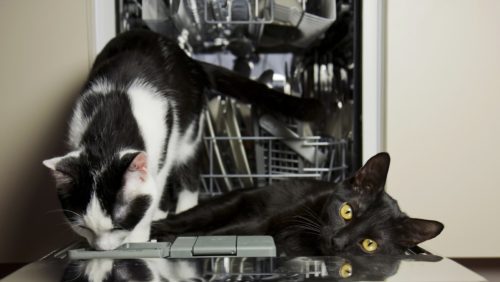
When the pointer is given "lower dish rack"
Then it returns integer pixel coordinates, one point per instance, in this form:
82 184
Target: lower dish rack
277 151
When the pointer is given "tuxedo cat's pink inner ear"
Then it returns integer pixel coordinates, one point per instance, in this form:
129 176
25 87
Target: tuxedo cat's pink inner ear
139 164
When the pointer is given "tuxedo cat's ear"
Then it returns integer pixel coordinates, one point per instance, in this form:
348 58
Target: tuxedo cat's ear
413 231
137 165
373 174
61 167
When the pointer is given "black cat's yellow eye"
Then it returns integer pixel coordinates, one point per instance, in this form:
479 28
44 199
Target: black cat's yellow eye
369 245
346 211
345 270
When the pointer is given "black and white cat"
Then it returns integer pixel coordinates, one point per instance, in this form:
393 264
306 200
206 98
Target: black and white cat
135 136
307 217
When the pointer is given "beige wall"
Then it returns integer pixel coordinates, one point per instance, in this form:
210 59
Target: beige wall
443 118
44 57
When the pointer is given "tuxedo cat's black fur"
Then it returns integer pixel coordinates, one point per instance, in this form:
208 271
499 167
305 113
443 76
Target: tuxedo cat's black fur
308 217
135 136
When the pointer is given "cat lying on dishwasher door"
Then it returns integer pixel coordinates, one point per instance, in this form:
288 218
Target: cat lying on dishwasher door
313 218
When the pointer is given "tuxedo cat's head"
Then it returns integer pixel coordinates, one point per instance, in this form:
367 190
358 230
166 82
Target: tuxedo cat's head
361 218
107 201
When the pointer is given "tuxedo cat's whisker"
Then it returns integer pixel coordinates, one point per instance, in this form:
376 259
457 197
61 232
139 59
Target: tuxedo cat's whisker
64 224
63 210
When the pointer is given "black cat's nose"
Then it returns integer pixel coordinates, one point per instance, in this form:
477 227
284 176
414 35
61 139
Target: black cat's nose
339 243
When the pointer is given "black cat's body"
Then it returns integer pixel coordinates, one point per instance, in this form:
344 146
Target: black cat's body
304 216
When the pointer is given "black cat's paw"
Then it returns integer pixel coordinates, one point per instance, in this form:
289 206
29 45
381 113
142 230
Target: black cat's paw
161 232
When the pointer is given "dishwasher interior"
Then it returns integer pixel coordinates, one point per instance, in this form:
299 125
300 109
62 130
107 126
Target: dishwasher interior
299 47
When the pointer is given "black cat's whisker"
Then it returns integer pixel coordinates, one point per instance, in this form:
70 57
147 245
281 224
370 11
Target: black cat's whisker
310 232
305 223
313 215
306 219
308 229
303 229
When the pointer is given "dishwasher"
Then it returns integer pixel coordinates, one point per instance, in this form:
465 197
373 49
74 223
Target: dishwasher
302 48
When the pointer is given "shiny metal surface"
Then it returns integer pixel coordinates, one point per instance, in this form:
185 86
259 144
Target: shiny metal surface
342 268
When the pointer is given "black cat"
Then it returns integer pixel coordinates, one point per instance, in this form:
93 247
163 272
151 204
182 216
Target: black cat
308 217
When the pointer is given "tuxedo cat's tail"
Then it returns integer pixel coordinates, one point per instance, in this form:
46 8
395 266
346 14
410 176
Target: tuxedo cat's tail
249 91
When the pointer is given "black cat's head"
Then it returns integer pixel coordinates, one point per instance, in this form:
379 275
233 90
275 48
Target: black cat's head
109 202
361 218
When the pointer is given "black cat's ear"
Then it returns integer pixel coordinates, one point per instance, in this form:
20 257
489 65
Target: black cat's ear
413 231
62 167
371 177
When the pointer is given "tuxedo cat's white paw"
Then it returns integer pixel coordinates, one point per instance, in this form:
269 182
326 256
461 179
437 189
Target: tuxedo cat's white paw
159 214
187 200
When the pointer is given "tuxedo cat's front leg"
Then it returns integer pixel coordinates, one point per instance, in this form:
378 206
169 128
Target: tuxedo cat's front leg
189 166
159 214
189 180
181 188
